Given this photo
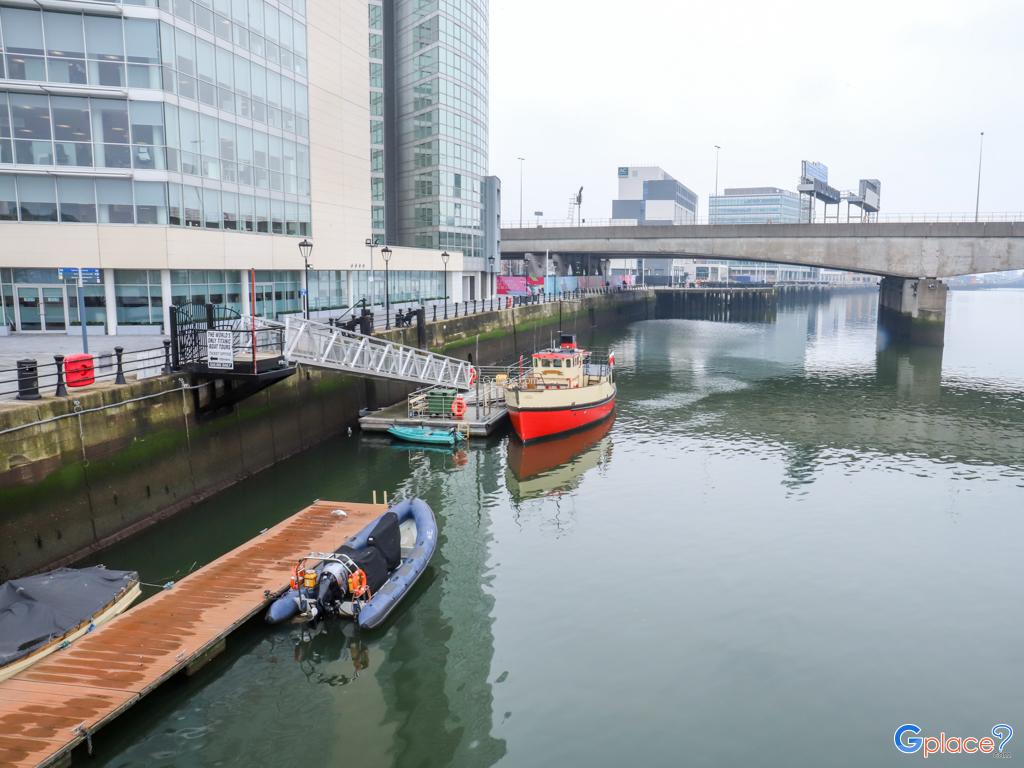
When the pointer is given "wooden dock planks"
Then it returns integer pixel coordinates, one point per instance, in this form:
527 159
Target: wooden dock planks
47 710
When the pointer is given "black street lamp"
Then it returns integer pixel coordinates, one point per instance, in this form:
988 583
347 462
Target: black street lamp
386 253
490 265
305 248
444 259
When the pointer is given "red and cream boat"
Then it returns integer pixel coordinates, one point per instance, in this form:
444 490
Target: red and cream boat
562 391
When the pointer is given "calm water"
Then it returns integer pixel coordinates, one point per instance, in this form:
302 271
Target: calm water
787 544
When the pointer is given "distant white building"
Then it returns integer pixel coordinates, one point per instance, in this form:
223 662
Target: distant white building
649 195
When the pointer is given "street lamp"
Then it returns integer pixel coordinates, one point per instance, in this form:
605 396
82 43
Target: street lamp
521 161
977 198
490 266
386 253
717 150
306 248
444 260
371 243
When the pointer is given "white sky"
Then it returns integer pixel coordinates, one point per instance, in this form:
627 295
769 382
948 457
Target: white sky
894 90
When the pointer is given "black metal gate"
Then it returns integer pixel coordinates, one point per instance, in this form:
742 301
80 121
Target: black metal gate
189 324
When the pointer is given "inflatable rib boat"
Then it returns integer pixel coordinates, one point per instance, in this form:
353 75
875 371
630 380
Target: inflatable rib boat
367 577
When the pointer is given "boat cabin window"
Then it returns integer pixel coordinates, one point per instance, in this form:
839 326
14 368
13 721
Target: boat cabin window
557 363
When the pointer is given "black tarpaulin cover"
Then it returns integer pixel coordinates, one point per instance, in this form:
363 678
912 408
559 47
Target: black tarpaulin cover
35 609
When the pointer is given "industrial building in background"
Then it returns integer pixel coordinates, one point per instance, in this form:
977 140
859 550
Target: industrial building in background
649 195
756 205
167 149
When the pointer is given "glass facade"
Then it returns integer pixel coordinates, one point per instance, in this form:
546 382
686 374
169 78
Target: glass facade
228 150
441 100
777 206
376 49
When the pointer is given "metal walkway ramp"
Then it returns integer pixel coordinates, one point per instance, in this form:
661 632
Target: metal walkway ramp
322 345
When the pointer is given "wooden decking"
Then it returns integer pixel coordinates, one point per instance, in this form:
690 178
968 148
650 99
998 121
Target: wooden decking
49 708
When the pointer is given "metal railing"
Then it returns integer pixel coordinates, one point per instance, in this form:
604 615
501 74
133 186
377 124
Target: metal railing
936 217
326 346
31 380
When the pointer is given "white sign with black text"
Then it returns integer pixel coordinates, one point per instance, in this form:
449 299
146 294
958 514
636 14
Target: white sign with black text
219 354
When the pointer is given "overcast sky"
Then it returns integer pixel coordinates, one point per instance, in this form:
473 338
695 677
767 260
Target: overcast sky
894 90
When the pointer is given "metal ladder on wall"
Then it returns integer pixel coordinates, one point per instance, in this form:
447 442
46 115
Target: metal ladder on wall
313 343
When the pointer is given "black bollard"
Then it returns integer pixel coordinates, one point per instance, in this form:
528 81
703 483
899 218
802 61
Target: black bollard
28 380
456 309
62 391
167 357
119 378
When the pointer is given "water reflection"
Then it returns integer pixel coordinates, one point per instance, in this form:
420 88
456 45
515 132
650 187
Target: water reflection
556 466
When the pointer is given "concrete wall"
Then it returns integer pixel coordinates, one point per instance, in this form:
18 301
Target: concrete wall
903 250
89 474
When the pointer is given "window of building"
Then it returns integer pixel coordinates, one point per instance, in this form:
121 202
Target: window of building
77 199
114 198
37 198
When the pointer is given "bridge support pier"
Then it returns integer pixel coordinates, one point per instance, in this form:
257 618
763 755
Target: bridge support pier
913 309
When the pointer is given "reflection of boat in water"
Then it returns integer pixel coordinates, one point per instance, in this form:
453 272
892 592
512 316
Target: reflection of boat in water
557 465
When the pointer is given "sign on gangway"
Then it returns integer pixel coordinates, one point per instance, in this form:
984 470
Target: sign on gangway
219 352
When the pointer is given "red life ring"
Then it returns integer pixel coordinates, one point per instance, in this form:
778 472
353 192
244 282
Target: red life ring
472 376
458 407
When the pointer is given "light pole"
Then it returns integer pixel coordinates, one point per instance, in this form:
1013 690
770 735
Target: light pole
977 198
386 253
305 248
521 161
371 243
444 260
718 149
490 265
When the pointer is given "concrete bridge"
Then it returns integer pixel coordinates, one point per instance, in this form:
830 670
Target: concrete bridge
895 250
910 257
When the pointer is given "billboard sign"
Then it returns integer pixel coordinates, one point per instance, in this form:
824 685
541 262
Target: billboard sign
811 171
870 194
623 171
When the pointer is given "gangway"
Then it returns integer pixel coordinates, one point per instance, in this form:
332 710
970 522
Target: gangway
318 344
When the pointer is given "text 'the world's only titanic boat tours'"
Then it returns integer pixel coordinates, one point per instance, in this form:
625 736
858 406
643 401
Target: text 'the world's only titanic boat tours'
561 392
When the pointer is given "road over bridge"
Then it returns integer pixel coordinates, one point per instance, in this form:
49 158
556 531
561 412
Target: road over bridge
911 250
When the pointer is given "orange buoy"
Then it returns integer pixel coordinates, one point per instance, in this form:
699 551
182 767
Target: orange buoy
458 407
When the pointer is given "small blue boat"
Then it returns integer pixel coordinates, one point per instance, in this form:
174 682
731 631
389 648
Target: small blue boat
367 577
427 435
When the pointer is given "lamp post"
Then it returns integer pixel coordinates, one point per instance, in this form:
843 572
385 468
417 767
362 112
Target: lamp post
717 150
371 243
521 161
977 198
305 248
490 266
386 253
444 260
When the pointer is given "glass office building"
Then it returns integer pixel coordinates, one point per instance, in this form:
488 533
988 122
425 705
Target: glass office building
756 205
438 72
126 124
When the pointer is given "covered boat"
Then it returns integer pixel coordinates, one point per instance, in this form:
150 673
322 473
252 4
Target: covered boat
427 435
562 391
43 613
367 577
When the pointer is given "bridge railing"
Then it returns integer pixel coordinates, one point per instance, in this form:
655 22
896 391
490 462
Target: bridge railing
939 217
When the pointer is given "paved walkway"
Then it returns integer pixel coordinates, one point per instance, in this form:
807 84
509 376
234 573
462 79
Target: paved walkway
43 346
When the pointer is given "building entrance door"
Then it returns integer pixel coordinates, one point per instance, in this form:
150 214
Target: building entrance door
264 300
41 308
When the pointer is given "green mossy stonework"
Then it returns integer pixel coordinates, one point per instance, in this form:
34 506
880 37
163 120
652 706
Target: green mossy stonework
72 485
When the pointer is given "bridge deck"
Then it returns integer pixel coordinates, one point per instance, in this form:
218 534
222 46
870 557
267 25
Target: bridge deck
47 710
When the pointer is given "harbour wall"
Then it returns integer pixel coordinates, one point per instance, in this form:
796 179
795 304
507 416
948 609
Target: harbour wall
79 473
